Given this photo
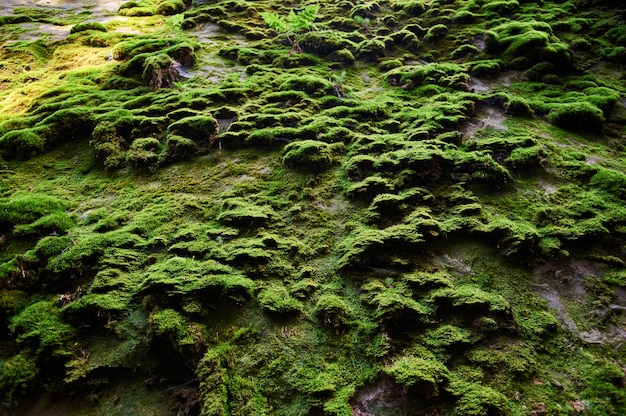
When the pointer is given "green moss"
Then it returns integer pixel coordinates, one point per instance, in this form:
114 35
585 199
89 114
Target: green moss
170 7
66 125
579 116
57 222
425 375
474 399
22 144
521 44
240 213
170 323
311 154
199 128
82 27
609 181
144 153
174 275
276 299
17 374
436 32
41 326
469 296
526 157
24 208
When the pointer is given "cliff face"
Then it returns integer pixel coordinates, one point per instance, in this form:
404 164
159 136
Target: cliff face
343 208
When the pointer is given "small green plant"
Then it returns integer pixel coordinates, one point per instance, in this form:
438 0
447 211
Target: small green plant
294 24
364 22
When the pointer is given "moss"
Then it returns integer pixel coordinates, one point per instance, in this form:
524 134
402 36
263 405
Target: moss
201 128
18 373
311 154
500 7
209 277
240 213
24 208
178 147
368 188
526 157
423 374
463 51
469 296
436 32
579 116
610 181
82 27
446 336
144 153
169 323
521 44
276 299
474 399
40 325
400 256
54 223
333 311
445 74
66 125
170 7
22 144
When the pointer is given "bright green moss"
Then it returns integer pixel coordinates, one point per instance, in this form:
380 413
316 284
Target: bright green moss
609 181
240 213
474 399
55 223
181 276
82 27
170 323
310 154
24 208
276 299
41 326
579 116
421 373
468 296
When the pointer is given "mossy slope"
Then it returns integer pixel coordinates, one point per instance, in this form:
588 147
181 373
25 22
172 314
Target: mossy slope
425 206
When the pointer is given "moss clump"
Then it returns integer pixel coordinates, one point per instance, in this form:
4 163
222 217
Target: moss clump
436 32
276 299
16 375
579 116
54 223
525 157
445 74
178 147
425 375
200 129
522 44
22 144
170 7
183 333
475 400
82 27
25 208
67 125
240 213
41 326
610 181
333 311
144 153
311 154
